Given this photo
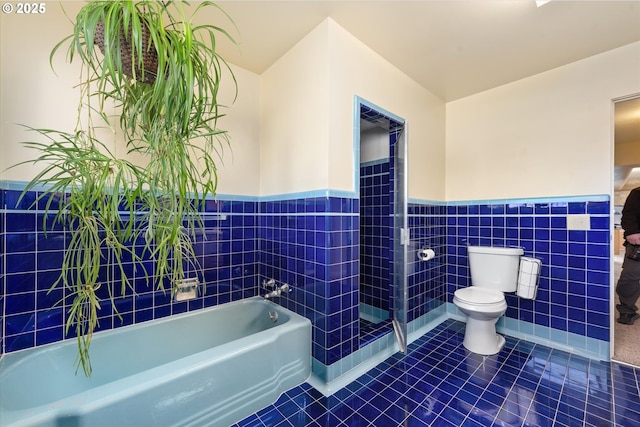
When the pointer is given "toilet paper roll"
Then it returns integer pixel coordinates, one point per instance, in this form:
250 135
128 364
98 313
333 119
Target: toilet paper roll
425 254
528 275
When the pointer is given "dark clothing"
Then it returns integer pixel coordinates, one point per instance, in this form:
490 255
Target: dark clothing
628 287
631 213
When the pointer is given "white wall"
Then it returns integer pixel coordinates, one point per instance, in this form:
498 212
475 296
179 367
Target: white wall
307 119
358 70
32 94
292 127
294 118
374 144
239 171
547 135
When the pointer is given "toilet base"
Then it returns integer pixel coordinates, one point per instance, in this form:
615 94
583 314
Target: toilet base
480 337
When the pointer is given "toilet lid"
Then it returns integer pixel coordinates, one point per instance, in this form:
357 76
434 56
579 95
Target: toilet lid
476 295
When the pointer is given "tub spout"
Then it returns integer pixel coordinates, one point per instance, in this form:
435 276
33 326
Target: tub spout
277 292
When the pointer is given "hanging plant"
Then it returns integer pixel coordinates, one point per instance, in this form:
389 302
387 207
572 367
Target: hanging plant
161 72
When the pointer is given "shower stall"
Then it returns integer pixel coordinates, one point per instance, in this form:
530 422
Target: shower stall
384 235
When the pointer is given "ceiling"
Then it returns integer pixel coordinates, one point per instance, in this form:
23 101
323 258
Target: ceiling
453 48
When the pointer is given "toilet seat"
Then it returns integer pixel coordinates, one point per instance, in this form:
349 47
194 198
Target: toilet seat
479 296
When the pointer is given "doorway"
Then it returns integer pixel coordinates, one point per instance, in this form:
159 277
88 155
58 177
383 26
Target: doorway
382 189
626 338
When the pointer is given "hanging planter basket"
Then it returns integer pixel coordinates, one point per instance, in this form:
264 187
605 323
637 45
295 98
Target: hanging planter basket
146 63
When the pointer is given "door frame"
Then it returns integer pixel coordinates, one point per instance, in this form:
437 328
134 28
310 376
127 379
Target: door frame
612 278
401 328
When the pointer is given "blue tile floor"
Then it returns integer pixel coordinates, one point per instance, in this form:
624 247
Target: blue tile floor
370 331
439 383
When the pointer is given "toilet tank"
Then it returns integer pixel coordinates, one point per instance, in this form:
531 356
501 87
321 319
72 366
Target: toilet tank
494 267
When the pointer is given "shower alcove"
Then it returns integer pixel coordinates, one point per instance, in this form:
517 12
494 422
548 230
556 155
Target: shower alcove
382 197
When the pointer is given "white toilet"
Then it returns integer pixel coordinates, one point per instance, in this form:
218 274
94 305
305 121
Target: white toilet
494 270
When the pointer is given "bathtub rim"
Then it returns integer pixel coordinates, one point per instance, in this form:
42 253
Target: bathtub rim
146 323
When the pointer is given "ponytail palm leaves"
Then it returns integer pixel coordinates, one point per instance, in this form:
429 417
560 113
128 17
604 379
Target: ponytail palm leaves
161 73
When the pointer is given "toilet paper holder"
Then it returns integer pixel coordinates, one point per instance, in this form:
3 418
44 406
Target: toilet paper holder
528 277
426 253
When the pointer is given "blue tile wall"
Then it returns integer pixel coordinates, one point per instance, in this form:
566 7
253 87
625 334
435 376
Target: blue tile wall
34 314
573 293
376 231
2 262
312 243
426 280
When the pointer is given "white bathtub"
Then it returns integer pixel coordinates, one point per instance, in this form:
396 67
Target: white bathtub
210 367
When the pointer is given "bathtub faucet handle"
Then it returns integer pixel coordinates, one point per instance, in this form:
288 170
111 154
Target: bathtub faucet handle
278 291
269 284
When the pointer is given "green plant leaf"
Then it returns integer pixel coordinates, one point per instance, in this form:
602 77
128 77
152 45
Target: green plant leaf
167 114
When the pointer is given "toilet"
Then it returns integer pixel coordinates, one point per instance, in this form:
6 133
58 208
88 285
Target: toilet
494 270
